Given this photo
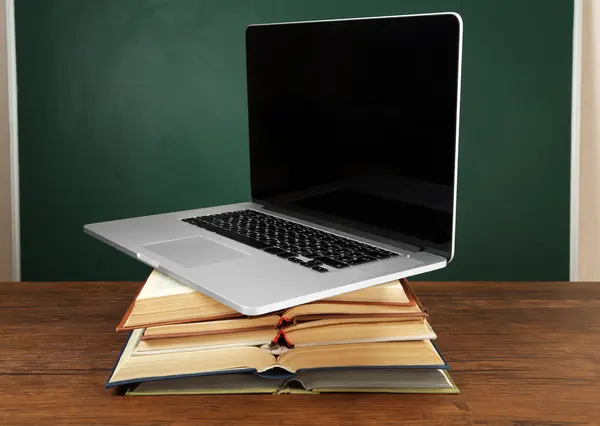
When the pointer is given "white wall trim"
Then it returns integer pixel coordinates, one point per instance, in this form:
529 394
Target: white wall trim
11 60
575 140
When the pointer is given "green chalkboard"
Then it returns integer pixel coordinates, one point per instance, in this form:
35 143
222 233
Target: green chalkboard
136 107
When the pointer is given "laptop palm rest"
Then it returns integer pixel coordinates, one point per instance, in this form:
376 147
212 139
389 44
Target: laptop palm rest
194 251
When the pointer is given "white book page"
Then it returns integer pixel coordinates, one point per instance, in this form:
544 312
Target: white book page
160 285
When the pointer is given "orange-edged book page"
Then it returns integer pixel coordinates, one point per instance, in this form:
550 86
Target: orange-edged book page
392 299
396 292
321 311
235 325
164 300
356 330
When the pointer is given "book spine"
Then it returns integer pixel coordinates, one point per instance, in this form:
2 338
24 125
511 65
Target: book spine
282 337
411 295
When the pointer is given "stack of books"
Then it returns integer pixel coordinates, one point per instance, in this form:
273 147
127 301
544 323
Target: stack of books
373 340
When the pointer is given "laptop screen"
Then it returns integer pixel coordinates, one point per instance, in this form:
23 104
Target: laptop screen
355 122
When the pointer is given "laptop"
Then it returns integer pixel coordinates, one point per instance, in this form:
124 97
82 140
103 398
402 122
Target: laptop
353 137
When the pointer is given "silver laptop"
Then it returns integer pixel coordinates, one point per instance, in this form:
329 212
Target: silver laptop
353 136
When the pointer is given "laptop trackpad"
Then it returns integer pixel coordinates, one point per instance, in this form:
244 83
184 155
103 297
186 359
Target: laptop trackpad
194 251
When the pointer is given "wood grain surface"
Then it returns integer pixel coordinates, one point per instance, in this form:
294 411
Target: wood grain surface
523 354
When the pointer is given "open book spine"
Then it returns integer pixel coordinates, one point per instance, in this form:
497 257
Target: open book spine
412 296
282 339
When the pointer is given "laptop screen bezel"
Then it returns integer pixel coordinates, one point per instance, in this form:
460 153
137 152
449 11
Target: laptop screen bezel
422 244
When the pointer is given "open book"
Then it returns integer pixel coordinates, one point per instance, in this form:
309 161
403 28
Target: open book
137 365
390 380
165 301
313 333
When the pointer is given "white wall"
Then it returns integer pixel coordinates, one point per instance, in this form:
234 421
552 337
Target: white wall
5 198
589 184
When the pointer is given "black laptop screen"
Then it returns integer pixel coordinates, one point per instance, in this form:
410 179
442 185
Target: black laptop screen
354 122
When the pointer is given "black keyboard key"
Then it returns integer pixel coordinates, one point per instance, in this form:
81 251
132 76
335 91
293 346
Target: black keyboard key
195 221
312 263
361 259
331 262
319 269
356 245
273 250
377 254
295 260
286 254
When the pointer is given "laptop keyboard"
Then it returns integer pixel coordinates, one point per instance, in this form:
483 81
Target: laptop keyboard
305 246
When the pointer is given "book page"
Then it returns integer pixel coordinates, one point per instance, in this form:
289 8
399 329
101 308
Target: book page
241 382
347 319
211 327
205 342
160 285
137 366
361 332
374 378
391 292
321 308
382 354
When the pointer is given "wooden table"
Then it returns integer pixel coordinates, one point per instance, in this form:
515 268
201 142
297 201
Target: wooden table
522 354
